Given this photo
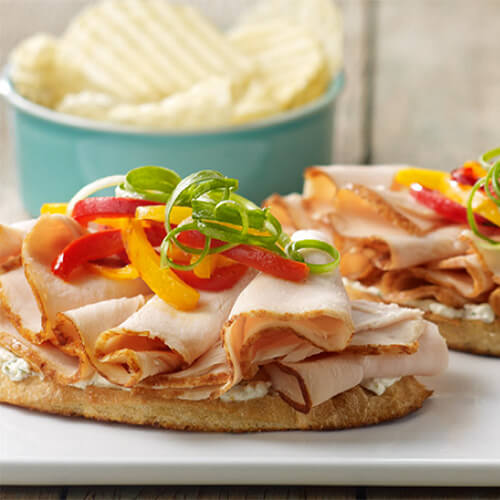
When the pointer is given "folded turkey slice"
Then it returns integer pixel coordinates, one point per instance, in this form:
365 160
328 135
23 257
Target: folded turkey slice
157 338
11 239
310 382
372 184
44 358
273 318
371 237
32 295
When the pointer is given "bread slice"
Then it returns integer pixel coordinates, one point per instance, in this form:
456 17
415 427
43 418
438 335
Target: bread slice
354 408
466 335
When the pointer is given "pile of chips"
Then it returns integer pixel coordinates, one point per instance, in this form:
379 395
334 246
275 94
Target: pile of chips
154 65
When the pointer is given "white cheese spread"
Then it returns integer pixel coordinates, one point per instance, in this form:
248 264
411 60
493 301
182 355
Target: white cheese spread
379 385
245 392
479 312
15 368
356 285
241 392
96 380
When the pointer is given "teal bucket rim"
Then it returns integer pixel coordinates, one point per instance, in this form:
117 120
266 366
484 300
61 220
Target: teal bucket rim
21 103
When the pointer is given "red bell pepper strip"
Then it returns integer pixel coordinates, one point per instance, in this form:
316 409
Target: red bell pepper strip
222 278
155 232
468 174
97 246
465 176
448 209
92 246
109 206
259 258
268 262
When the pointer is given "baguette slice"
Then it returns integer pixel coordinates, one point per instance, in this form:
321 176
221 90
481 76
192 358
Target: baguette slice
467 335
355 408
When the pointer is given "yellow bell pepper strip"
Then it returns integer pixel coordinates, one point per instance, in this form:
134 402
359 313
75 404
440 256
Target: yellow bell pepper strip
209 264
206 267
178 255
431 179
163 281
127 272
53 208
157 213
442 182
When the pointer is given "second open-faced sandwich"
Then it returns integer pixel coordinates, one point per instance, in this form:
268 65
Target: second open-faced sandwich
416 237
180 304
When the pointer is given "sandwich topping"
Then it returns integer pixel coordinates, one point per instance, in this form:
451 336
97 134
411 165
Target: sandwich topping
14 367
207 235
408 235
185 288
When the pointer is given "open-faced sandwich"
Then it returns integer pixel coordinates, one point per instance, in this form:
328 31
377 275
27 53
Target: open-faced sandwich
415 237
178 303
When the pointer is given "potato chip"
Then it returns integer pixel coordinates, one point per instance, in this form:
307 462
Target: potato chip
321 17
162 66
207 104
145 50
257 102
33 67
39 73
87 104
289 59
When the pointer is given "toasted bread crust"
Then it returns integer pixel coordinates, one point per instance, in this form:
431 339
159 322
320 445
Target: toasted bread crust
354 408
465 335
469 335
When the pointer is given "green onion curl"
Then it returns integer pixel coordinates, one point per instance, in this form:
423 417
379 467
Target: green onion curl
218 212
489 182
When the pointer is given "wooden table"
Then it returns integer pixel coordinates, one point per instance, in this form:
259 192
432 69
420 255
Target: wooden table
422 88
242 492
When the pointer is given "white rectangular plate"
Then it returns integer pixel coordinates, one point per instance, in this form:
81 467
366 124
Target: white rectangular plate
453 440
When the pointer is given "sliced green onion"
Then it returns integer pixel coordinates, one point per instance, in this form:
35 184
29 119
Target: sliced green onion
151 183
485 159
166 261
489 182
293 252
217 212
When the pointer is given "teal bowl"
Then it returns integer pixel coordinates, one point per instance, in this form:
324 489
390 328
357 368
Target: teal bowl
57 154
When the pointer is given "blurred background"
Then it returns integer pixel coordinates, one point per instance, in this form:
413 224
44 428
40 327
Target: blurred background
422 78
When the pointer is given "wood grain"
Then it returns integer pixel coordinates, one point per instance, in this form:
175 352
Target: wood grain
351 144
242 493
31 493
211 493
436 91
431 493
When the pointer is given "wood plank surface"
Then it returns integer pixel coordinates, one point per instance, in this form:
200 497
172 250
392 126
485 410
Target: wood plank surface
351 142
242 493
431 493
436 90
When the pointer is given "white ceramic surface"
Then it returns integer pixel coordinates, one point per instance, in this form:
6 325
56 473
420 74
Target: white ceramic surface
453 440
